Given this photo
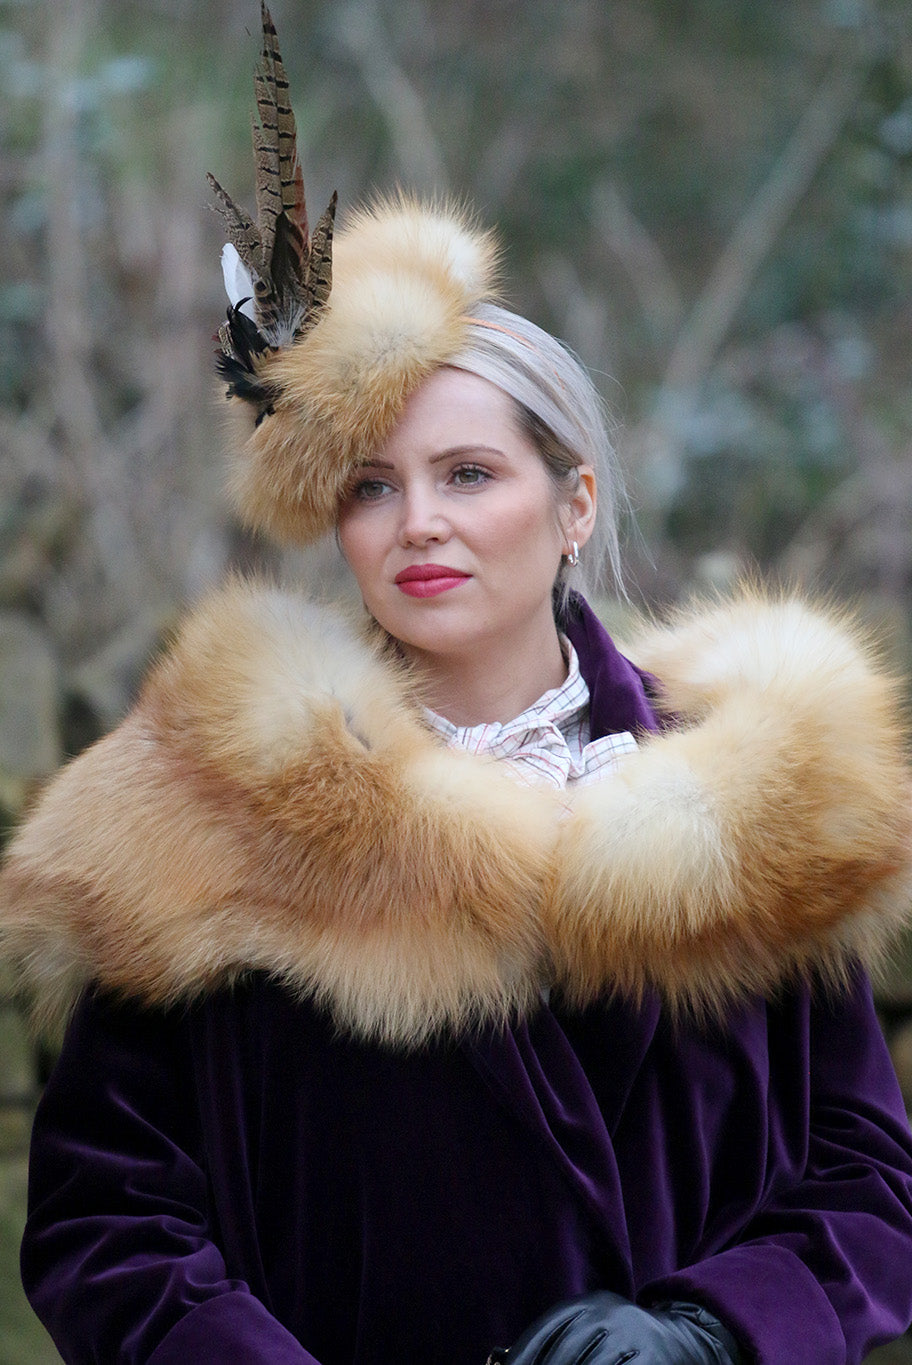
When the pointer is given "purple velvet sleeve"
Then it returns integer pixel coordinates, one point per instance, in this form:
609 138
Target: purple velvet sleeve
117 1260
823 1272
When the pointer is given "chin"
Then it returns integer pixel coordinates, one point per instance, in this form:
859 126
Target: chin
437 643
434 638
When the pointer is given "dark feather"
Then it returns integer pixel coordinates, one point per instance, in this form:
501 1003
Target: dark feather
242 346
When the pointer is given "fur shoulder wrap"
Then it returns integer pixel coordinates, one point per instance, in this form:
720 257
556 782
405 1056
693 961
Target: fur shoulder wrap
275 802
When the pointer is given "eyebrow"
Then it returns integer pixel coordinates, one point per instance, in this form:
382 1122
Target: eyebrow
452 452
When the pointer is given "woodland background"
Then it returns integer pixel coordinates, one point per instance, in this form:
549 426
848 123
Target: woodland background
710 200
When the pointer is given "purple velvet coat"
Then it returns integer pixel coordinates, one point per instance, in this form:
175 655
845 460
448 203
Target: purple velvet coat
234 1182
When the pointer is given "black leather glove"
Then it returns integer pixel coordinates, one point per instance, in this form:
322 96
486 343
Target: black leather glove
606 1329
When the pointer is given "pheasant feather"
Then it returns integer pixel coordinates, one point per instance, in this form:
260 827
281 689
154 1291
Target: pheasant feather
319 265
291 275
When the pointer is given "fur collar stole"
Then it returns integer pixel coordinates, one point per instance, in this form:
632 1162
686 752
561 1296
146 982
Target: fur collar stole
274 802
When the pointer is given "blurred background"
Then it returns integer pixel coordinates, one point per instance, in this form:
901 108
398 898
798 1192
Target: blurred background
709 200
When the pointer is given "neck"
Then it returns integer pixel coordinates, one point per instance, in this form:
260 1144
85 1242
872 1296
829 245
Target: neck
493 682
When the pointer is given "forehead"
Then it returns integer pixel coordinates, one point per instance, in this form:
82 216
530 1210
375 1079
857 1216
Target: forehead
453 407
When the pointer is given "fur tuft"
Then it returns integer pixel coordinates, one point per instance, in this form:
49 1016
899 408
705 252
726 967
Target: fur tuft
295 818
404 277
274 802
768 836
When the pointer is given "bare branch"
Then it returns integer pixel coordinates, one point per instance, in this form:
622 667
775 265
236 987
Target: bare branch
97 465
639 254
403 110
582 313
758 230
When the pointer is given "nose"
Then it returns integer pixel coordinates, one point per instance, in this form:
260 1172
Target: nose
422 518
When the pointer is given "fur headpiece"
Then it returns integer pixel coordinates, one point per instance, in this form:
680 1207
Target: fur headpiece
325 376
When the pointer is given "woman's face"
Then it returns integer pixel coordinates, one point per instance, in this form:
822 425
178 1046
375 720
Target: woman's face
453 530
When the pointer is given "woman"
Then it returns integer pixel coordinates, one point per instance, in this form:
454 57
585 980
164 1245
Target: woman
388 1050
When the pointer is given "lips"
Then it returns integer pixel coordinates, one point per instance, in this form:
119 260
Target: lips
427 580
423 573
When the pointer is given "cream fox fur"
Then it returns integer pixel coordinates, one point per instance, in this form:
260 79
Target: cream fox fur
275 802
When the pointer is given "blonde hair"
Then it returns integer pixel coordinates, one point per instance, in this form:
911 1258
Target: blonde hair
562 415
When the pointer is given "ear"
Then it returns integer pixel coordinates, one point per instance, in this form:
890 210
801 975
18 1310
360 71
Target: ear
578 517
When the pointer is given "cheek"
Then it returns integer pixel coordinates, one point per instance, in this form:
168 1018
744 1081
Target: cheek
528 532
358 546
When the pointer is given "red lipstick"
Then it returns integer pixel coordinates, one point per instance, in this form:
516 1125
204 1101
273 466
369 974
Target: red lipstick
428 580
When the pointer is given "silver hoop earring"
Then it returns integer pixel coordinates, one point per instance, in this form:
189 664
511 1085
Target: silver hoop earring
573 556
